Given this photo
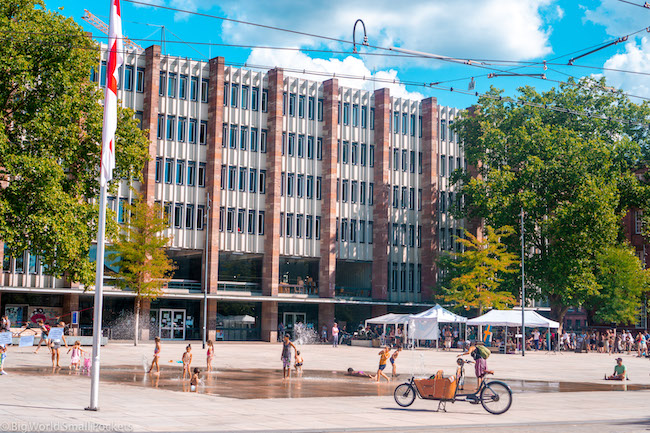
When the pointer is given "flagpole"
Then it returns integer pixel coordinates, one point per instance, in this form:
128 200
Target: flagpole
99 300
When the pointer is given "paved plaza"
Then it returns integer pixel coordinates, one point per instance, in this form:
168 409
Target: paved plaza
35 399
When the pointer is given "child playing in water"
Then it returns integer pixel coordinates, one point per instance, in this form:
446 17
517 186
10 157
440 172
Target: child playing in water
210 355
383 357
298 362
75 358
286 356
187 361
156 356
194 381
3 356
393 357
45 330
352 372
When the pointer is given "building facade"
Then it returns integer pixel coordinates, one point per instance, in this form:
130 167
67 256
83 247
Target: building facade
314 202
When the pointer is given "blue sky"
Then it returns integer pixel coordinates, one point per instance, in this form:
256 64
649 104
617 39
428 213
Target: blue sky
511 30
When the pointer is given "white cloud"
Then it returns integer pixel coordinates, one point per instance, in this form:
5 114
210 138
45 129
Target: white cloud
351 66
635 58
559 12
512 29
618 18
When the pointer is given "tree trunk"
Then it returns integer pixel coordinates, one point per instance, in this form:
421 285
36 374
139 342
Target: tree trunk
558 311
137 321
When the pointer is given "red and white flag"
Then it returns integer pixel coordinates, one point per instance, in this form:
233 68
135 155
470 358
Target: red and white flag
110 96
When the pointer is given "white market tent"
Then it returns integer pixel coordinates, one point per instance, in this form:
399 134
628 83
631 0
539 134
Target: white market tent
424 325
391 319
512 318
441 314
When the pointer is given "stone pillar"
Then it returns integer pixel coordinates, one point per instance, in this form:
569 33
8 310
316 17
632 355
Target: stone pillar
271 260
476 225
145 312
328 244
326 317
381 206
70 304
269 321
430 192
213 175
150 119
378 310
212 319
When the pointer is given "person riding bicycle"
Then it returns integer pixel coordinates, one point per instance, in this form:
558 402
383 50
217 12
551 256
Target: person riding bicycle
479 353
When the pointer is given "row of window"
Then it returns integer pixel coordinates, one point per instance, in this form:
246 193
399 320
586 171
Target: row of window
300 185
173 85
407 160
352 189
33 265
234 136
171 172
449 163
403 235
405 124
250 222
181 215
305 226
250 97
182 129
356 154
399 273
407 198
234 182
447 204
358 231
314 108
344 115
443 130
302 148
448 243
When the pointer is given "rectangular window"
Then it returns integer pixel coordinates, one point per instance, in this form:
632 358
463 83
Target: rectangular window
205 84
405 118
224 135
242 179
319 148
317 230
301 106
411 277
354 155
189 216
419 199
443 129
191 173
403 278
260 222
319 110
283 146
370 232
200 216
282 223
162 80
169 167
289 227
178 215
241 217
363 154
638 222
404 197
222 218
263 141
139 116
139 80
159 169
252 180
372 118
226 86
353 191
353 230
443 165
244 97
171 123
308 226
420 128
318 187
311 107
420 162
310 186
346 147
300 185
346 113
253 140
451 165
203 132
299 220
255 94
290 180
201 174
412 125
364 114
180 172
169 214
412 198
265 99
128 78
301 146
344 230
192 131
411 235
395 197
194 88
234 94
224 174
262 184
371 156
371 193
344 191
292 144
355 115
171 85
362 193
412 162
243 137
405 160
230 220
395 122
443 199
232 175
233 137
121 211
182 87
292 104
182 122
395 159
251 221
362 232
310 147
395 232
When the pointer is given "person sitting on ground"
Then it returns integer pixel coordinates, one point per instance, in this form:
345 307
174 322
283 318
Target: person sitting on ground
352 372
620 372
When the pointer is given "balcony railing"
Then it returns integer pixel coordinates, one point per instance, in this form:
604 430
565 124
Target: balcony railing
353 292
185 285
237 286
298 289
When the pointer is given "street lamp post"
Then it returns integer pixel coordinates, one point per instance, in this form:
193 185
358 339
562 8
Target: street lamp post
205 277
523 289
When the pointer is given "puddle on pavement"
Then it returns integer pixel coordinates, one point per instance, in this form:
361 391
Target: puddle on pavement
268 383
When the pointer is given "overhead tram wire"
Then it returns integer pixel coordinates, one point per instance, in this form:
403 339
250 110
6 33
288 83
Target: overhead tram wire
512 100
646 5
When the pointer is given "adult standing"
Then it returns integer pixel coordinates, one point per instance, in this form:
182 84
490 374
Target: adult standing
335 335
280 331
536 334
55 346
6 324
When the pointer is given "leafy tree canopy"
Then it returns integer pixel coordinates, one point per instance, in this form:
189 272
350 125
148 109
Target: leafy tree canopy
50 139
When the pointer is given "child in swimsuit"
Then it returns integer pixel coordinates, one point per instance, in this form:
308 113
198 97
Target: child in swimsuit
286 356
3 356
393 357
210 355
351 372
75 358
298 362
156 356
194 381
383 358
187 361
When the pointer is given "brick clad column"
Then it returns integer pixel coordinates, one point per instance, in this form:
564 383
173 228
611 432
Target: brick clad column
327 268
150 118
271 260
213 175
381 206
430 159
70 304
475 225
326 317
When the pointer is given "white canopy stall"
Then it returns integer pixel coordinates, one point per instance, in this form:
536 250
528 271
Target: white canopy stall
512 318
424 325
391 319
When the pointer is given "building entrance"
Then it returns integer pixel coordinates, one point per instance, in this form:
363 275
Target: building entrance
171 324
290 319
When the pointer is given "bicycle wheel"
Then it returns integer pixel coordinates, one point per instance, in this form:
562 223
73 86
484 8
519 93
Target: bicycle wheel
496 397
404 395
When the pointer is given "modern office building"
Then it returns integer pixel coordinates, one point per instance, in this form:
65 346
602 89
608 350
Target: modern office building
325 202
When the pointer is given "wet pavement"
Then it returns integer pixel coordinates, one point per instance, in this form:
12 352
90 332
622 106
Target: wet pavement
268 383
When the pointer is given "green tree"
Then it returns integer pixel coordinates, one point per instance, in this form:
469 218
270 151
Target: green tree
481 268
572 175
621 284
50 139
144 267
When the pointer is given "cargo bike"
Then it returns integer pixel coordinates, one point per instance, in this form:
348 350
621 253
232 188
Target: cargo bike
495 396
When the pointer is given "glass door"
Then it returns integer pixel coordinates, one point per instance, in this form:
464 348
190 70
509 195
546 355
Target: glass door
172 324
178 322
290 319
